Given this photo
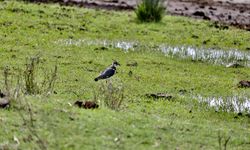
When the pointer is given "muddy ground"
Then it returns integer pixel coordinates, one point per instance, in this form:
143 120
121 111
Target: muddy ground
235 13
232 12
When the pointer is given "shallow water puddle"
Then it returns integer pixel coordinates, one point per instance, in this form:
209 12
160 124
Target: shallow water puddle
228 104
126 46
222 57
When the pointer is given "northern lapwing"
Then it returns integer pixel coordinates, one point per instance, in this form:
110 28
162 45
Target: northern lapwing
109 72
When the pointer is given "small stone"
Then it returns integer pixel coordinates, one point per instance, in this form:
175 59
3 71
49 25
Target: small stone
244 84
4 102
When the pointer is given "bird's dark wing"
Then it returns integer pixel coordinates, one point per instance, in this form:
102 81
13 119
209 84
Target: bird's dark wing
106 73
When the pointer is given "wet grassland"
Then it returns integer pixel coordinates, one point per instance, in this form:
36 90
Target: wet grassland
181 57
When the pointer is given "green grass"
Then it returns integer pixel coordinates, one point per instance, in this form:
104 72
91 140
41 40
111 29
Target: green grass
150 11
142 123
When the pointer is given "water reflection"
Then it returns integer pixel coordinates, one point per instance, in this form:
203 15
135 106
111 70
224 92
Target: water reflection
228 104
222 57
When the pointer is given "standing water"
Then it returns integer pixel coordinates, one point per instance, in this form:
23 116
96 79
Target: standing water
228 104
215 56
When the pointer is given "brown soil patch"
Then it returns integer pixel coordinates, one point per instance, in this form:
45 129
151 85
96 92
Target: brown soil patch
86 104
231 12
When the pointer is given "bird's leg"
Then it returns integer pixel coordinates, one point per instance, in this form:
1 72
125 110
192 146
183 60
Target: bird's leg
107 81
109 85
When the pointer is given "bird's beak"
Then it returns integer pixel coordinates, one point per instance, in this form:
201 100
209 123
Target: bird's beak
118 64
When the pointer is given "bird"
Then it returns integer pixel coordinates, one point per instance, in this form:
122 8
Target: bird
109 72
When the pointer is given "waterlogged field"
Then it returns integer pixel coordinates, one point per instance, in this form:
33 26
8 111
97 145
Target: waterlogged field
181 57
